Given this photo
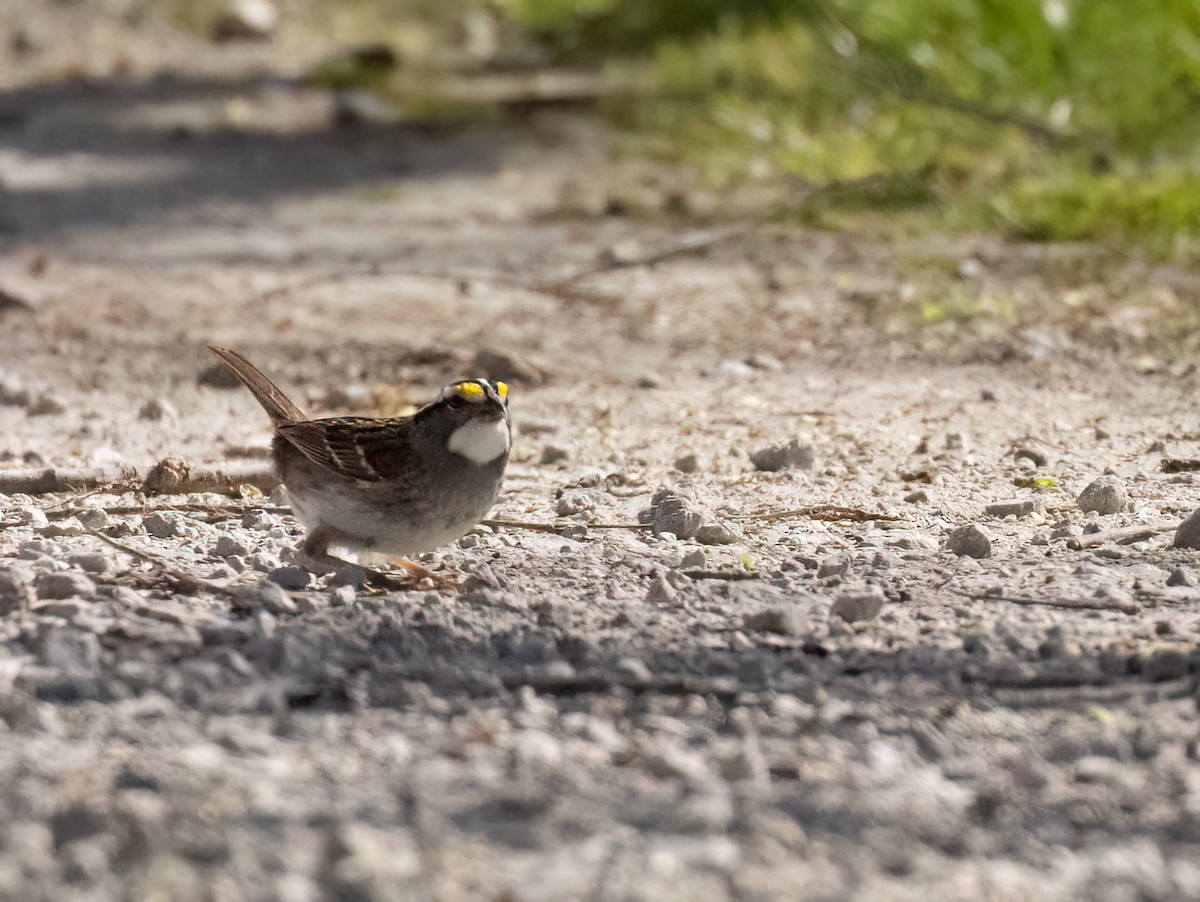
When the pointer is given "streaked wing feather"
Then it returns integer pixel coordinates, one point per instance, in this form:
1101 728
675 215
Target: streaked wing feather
353 447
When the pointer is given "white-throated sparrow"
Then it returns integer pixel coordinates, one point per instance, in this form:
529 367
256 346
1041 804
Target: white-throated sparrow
395 486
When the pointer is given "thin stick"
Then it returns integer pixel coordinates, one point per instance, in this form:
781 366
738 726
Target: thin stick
1077 604
1126 535
822 512
186 580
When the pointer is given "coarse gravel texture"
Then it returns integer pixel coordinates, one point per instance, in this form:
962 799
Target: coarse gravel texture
768 704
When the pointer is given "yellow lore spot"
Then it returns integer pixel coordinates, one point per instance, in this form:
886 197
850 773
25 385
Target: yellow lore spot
470 391
502 389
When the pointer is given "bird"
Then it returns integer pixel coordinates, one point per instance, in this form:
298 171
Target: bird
393 486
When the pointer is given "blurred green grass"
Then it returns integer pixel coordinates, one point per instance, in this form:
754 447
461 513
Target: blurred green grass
1042 119
1048 120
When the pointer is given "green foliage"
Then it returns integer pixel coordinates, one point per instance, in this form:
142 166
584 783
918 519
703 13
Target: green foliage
1054 118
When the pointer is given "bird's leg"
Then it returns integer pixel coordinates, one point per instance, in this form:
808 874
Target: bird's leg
320 561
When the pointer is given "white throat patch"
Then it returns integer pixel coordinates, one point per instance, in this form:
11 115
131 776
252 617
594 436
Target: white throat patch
480 443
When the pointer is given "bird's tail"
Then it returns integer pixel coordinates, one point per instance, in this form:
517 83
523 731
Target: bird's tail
277 405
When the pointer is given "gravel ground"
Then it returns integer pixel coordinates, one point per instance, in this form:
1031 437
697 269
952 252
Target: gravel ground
807 626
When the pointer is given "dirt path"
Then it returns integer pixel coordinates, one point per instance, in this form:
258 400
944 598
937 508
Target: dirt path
816 709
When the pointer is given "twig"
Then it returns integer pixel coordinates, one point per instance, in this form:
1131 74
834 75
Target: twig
828 512
1077 604
1126 535
731 575
175 575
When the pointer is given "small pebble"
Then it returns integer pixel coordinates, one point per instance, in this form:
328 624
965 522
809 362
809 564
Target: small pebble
65 585
162 525
785 619
93 517
687 463
1022 507
1033 455
292 578
553 454
157 409
670 512
69 527
661 591
265 596
1166 664
264 561
91 561
855 607
32 516
259 520
1182 576
1188 533
16 589
227 545
342 595
716 534
969 541
573 503
1105 495
791 455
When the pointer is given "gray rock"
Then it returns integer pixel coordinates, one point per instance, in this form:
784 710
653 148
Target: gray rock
573 503
265 596
349 576
1182 576
228 545
157 409
671 512
785 619
92 561
16 589
920 496
791 455
687 463
969 541
259 520
716 534
1166 664
835 565
162 525
553 454
264 562
69 649
1188 533
1105 495
661 591
694 560
342 595
855 607
65 585
1021 507
33 516
93 517
293 578
67 527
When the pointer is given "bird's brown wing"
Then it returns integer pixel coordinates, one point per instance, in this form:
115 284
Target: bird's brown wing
353 447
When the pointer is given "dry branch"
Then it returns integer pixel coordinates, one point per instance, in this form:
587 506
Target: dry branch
1126 535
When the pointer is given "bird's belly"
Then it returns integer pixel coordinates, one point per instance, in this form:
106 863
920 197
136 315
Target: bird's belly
363 523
